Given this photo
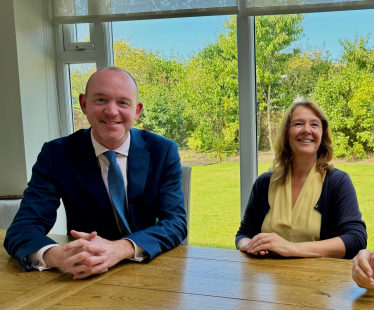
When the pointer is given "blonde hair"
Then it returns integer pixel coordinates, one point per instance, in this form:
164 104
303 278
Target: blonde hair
283 157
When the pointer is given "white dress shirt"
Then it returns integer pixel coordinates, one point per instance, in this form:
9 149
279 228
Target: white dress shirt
122 153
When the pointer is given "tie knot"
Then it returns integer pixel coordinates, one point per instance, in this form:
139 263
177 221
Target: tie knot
111 155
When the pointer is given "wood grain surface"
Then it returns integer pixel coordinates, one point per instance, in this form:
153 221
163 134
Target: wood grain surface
189 278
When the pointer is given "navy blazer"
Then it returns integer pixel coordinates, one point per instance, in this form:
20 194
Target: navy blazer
67 169
341 216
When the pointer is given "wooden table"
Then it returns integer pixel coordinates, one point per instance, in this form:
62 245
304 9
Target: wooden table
189 278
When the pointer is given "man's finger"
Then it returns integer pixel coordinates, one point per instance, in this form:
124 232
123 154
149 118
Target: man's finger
359 274
86 264
365 266
98 269
364 283
75 244
84 245
77 258
83 235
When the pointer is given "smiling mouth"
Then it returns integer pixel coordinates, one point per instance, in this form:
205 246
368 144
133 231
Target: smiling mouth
111 123
305 140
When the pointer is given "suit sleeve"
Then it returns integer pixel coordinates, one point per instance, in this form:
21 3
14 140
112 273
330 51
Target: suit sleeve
37 213
171 227
349 224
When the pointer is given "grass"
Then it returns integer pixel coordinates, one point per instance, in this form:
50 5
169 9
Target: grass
215 202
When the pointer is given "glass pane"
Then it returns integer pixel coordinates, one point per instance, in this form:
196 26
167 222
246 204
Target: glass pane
187 74
83 32
79 75
66 10
297 57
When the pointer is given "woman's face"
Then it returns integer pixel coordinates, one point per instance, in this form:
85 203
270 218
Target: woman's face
305 132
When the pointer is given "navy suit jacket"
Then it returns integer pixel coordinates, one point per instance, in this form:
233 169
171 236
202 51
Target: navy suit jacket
67 168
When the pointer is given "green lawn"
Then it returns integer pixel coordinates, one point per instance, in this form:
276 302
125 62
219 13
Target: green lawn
215 202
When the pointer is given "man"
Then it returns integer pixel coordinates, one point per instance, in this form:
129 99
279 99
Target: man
362 270
126 204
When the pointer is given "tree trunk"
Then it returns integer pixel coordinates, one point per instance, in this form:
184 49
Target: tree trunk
268 117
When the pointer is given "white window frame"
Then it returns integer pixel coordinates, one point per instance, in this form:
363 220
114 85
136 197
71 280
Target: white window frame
99 51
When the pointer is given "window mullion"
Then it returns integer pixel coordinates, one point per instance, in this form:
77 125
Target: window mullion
103 38
246 45
63 86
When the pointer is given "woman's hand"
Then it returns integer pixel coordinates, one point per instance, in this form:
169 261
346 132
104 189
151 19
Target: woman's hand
243 246
265 242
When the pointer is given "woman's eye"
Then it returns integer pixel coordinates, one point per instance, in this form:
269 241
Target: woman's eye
315 125
298 124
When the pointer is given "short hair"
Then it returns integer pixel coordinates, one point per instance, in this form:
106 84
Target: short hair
114 69
283 156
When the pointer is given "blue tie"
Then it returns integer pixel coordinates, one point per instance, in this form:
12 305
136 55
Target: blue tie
116 187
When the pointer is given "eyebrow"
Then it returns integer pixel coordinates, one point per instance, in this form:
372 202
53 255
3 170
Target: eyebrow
98 94
101 94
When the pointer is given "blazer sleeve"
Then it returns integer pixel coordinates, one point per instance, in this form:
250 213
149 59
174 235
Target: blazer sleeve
37 213
171 228
256 209
349 225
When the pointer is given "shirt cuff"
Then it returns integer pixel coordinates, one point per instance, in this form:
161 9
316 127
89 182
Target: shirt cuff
37 260
139 252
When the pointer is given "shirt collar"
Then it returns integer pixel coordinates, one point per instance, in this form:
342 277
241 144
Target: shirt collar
100 149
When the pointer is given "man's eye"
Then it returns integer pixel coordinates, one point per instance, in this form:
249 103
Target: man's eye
123 103
100 100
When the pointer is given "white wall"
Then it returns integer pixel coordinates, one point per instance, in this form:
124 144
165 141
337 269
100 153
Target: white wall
29 113
13 176
37 77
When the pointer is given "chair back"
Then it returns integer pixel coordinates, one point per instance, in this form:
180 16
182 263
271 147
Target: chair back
9 206
186 187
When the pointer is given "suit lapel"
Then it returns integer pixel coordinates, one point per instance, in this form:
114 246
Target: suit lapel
138 162
89 169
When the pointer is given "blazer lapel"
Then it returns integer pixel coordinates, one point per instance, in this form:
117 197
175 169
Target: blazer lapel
89 169
138 163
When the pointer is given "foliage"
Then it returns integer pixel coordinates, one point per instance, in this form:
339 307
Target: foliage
158 79
195 101
273 35
300 75
210 92
79 78
346 94
211 86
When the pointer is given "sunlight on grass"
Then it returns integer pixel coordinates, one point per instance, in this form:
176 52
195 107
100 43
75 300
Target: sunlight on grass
215 201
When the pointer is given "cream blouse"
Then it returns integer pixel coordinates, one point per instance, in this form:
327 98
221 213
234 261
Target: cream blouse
301 223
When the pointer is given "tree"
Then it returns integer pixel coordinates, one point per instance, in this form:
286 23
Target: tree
301 73
346 94
79 78
158 80
210 92
273 35
211 84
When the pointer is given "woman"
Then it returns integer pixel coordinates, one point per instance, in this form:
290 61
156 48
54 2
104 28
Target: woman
304 208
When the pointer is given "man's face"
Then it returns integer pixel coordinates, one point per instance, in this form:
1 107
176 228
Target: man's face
111 106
